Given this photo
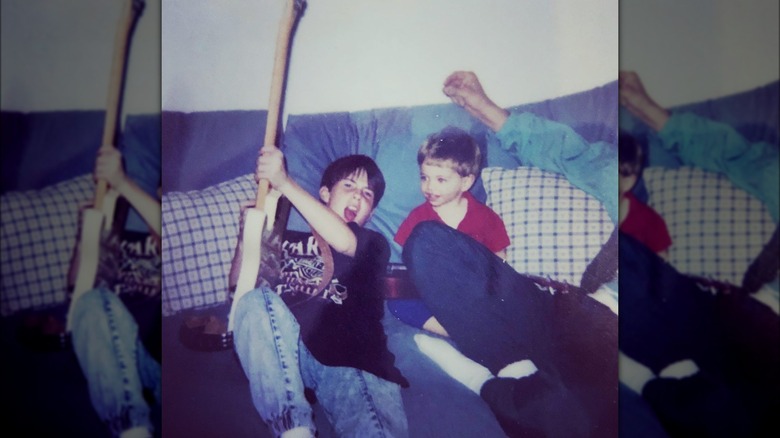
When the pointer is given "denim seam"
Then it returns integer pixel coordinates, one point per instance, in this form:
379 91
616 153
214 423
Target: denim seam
370 400
284 421
125 419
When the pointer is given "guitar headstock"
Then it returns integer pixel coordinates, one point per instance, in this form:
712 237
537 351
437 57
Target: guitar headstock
299 6
138 6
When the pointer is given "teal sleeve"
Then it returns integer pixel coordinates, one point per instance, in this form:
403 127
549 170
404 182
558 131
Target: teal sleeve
555 147
718 147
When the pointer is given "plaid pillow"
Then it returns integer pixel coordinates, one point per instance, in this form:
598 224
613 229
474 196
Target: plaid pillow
717 229
37 237
555 229
199 236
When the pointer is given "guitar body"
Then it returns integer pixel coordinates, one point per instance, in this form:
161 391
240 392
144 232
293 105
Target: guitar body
94 263
96 225
257 261
97 254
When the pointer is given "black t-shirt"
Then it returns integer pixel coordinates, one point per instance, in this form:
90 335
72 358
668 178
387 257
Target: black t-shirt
342 326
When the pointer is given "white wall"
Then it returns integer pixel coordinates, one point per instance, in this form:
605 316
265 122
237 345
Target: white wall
56 55
351 55
687 51
347 55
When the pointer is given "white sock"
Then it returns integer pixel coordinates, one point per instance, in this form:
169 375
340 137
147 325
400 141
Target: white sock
471 374
136 432
607 297
297 432
518 370
768 297
680 369
632 373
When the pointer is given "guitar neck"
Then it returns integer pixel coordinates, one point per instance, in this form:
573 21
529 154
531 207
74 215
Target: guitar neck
131 11
293 9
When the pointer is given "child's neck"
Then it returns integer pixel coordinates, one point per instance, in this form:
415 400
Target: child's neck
452 213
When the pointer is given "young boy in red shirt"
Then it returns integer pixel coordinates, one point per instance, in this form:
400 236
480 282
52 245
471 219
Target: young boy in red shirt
449 162
529 354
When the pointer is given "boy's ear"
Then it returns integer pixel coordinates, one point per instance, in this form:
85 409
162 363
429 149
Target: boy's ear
467 182
324 194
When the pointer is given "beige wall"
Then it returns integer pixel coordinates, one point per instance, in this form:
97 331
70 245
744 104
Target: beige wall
691 50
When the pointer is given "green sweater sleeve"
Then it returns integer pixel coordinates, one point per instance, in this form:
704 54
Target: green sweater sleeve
718 147
555 147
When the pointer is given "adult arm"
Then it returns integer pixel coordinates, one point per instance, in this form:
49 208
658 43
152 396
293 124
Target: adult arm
709 145
633 96
542 143
464 89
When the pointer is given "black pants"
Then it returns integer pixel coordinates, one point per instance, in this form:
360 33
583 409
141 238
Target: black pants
497 316
733 339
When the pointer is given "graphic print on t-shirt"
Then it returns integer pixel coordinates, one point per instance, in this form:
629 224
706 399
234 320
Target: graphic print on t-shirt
140 266
302 271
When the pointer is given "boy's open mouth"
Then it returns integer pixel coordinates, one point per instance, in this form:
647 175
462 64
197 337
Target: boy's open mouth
349 214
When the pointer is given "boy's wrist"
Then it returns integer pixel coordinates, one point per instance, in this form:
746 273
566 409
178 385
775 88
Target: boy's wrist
492 115
283 185
655 116
120 185
649 112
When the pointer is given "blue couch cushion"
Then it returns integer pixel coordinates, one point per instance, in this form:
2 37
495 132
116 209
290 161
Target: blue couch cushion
202 149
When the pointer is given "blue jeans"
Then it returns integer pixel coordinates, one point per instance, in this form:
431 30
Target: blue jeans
115 363
279 366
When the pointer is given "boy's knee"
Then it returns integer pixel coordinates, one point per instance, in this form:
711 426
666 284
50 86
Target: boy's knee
431 230
424 237
255 303
92 302
257 297
100 308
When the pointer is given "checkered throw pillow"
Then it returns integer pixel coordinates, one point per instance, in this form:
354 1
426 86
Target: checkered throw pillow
37 237
717 229
200 233
555 229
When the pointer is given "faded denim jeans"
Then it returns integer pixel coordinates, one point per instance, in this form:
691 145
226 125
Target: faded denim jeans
279 366
115 362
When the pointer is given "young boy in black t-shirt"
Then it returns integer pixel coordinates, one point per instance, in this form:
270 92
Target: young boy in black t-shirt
319 332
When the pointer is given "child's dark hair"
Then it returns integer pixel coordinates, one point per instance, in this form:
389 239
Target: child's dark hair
452 144
630 156
345 167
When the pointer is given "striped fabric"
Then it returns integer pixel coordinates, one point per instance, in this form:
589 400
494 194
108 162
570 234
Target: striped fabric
555 228
717 229
37 237
200 233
